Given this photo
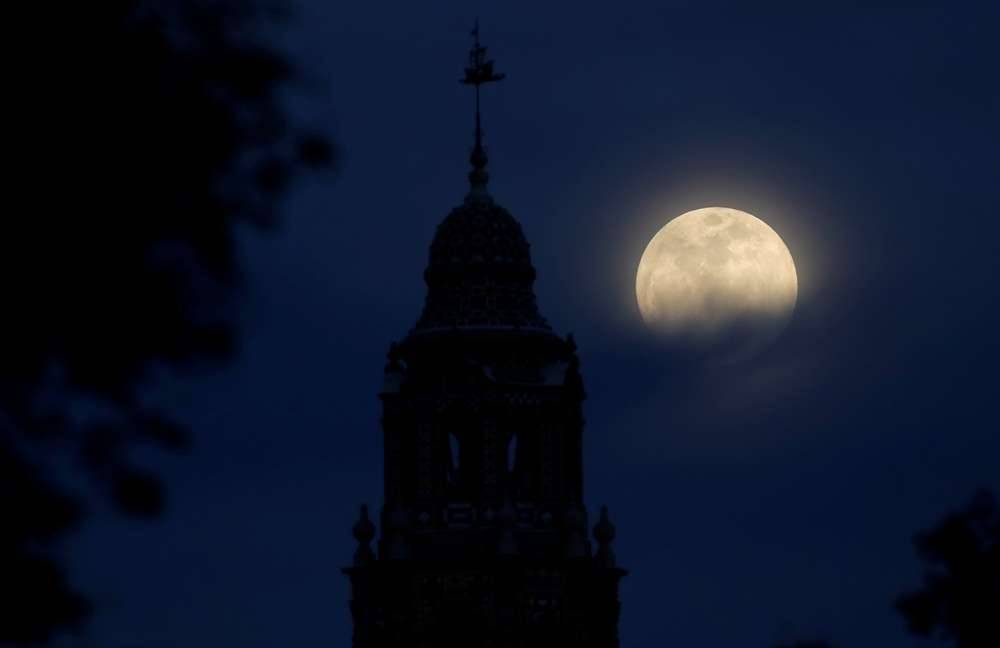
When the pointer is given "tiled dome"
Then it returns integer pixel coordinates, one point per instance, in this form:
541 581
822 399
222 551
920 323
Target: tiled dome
480 272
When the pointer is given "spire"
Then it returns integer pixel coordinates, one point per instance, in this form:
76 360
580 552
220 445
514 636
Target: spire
479 71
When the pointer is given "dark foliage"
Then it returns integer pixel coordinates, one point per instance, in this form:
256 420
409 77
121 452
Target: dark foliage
146 133
960 598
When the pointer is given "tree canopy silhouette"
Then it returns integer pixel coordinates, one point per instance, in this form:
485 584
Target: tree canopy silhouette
960 597
159 130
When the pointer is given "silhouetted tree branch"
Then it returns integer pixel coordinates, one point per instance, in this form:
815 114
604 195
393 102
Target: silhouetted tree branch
960 598
151 132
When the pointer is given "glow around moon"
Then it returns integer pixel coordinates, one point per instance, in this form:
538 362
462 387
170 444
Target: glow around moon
717 279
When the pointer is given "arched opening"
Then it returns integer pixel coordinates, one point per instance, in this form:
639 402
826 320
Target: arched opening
454 457
511 454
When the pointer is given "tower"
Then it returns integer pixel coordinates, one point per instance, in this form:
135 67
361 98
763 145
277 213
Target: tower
483 530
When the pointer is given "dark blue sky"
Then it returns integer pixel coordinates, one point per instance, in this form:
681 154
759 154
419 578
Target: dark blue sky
755 504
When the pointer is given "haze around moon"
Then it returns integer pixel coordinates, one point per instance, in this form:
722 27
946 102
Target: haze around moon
717 280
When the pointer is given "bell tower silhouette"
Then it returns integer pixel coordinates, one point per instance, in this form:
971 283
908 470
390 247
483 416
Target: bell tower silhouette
484 532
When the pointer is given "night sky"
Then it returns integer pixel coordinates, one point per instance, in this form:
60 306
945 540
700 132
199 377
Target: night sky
759 503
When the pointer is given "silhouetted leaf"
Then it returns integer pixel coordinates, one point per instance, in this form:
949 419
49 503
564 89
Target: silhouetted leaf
961 593
137 493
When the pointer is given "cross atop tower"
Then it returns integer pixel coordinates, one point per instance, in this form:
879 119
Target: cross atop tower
478 72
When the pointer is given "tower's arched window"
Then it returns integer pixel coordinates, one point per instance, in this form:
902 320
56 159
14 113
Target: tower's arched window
511 453
453 447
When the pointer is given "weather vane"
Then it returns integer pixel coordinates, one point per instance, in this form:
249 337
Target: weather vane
479 71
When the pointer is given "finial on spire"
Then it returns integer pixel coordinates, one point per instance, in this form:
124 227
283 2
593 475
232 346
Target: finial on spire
478 72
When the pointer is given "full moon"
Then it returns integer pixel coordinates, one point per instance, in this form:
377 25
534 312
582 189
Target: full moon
717 280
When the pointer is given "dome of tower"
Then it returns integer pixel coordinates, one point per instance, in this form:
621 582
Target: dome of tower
479 273
479 236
